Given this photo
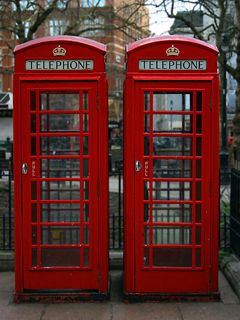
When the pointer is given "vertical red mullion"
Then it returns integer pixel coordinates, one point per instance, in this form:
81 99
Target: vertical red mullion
38 152
151 181
194 99
81 175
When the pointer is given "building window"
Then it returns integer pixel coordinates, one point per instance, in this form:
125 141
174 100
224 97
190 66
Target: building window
119 84
93 27
1 57
26 28
55 27
93 3
61 4
1 83
24 5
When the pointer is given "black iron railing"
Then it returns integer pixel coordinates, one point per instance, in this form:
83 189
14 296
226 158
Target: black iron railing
116 212
234 221
6 204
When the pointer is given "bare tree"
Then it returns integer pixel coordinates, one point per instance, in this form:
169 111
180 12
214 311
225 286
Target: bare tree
223 18
22 19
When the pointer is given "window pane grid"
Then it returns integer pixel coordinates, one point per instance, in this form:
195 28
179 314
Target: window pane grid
174 180
61 227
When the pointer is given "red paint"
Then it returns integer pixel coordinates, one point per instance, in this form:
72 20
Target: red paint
66 167
171 206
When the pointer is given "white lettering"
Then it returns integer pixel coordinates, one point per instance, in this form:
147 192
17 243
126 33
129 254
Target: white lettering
172 64
59 65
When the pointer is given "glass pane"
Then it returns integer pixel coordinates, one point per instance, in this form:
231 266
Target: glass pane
198 191
86 234
59 101
33 146
85 145
198 235
85 100
198 213
198 169
146 123
198 257
85 168
146 235
146 146
172 235
86 190
60 145
60 257
86 211
34 257
86 257
171 212
60 190
85 123
172 123
146 190
172 257
170 168
60 212
146 257
198 147
34 190
146 101
59 122
32 101
34 213
171 190
199 124
60 168
34 234
177 146
33 123
172 101
60 235
199 101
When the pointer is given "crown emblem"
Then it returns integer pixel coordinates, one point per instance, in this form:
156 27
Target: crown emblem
172 51
59 51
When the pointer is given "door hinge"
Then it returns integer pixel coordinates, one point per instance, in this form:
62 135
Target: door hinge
210 274
99 278
97 101
210 188
98 187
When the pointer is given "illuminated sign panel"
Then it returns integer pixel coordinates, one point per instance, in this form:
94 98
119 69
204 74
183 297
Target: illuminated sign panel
59 65
172 64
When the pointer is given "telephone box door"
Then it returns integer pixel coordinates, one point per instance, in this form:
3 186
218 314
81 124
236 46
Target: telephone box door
59 185
172 186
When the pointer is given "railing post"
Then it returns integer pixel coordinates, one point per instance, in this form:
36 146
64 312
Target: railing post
4 231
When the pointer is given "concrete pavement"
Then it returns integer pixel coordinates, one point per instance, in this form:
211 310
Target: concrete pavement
115 309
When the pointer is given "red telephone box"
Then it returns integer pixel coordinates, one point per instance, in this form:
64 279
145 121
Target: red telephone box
61 173
171 168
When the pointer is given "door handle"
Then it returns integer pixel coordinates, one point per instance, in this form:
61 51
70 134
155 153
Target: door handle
24 168
138 165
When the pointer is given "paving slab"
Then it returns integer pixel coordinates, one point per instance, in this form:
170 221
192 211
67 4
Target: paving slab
143 311
79 311
210 311
227 309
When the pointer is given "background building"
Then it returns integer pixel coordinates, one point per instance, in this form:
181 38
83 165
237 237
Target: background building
112 22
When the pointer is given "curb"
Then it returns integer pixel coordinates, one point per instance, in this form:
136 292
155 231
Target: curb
230 266
6 260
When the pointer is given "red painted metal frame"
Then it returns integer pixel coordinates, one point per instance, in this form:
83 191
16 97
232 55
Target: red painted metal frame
135 284
95 81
